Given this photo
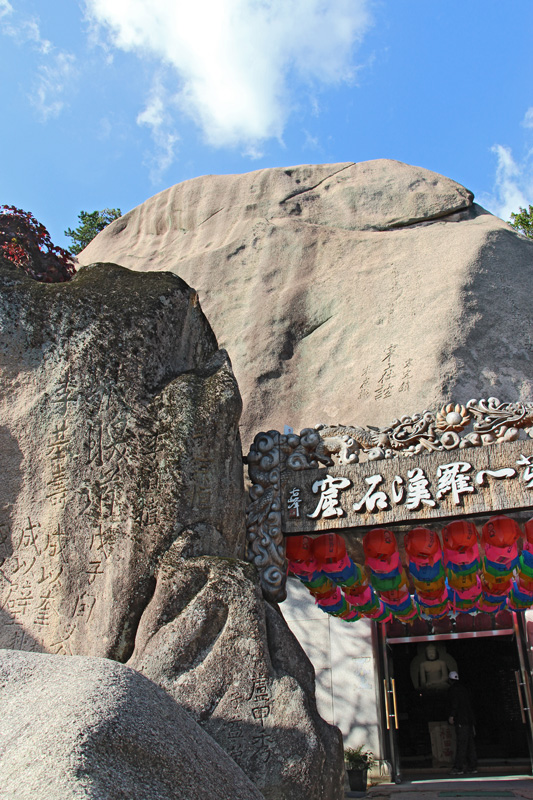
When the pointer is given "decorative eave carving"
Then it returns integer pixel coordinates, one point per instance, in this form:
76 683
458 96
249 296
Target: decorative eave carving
454 426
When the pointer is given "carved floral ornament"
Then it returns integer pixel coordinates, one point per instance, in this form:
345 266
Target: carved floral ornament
454 426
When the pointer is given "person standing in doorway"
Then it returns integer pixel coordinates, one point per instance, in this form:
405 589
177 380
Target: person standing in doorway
462 717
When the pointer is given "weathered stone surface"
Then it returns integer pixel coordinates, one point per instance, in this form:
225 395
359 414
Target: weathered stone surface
121 468
91 728
119 429
229 659
345 293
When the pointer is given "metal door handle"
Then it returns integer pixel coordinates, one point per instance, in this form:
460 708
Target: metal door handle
528 694
394 703
388 715
518 684
386 692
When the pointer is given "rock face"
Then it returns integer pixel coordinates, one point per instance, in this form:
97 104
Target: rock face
122 515
91 728
351 291
228 658
119 438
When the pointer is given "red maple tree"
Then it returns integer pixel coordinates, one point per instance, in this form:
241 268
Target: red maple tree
26 243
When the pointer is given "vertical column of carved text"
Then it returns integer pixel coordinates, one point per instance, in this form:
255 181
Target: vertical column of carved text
100 509
65 397
36 566
261 708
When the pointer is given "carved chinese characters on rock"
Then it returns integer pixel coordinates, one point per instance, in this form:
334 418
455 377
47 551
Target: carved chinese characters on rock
252 737
492 478
90 500
50 588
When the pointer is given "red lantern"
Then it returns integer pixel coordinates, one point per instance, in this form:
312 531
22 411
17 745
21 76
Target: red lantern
329 548
459 535
529 530
418 627
422 542
443 625
299 548
501 531
504 619
464 623
380 543
395 628
482 622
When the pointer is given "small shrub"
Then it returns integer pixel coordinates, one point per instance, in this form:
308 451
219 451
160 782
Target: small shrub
26 243
358 758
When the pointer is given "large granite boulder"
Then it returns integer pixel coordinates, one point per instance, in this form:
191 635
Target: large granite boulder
352 292
91 728
119 438
228 658
122 515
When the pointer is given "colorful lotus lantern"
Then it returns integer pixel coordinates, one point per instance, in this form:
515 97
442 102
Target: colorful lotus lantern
331 558
424 553
449 578
524 584
387 574
303 565
359 598
462 564
499 537
323 566
521 594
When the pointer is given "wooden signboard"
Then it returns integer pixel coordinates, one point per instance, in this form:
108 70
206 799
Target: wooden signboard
461 482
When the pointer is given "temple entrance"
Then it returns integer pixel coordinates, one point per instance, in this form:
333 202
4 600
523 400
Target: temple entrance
438 546
491 663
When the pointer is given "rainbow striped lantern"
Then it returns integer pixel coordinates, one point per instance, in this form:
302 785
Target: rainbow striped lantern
461 560
302 564
424 554
521 595
499 536
331 557
387 574
363 599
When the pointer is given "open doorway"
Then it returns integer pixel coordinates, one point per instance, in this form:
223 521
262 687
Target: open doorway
420 738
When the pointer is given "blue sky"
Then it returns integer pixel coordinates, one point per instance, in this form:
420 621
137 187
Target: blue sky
107 102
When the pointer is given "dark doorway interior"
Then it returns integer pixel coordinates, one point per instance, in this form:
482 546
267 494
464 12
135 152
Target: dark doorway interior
487 666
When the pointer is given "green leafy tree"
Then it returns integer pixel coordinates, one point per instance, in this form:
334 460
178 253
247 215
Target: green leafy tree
523 221
91 223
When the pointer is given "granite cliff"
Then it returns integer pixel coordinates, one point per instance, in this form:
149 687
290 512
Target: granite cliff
344 292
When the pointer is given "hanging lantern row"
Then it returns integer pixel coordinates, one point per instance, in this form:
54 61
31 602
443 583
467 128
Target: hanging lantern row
448 578
339 585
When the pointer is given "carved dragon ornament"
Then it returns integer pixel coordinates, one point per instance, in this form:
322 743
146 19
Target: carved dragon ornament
454 426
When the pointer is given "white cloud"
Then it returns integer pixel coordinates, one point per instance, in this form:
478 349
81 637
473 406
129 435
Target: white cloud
22 30
235 60
53 79
54 73
158 119
311 142
512 186
5 8
527 122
